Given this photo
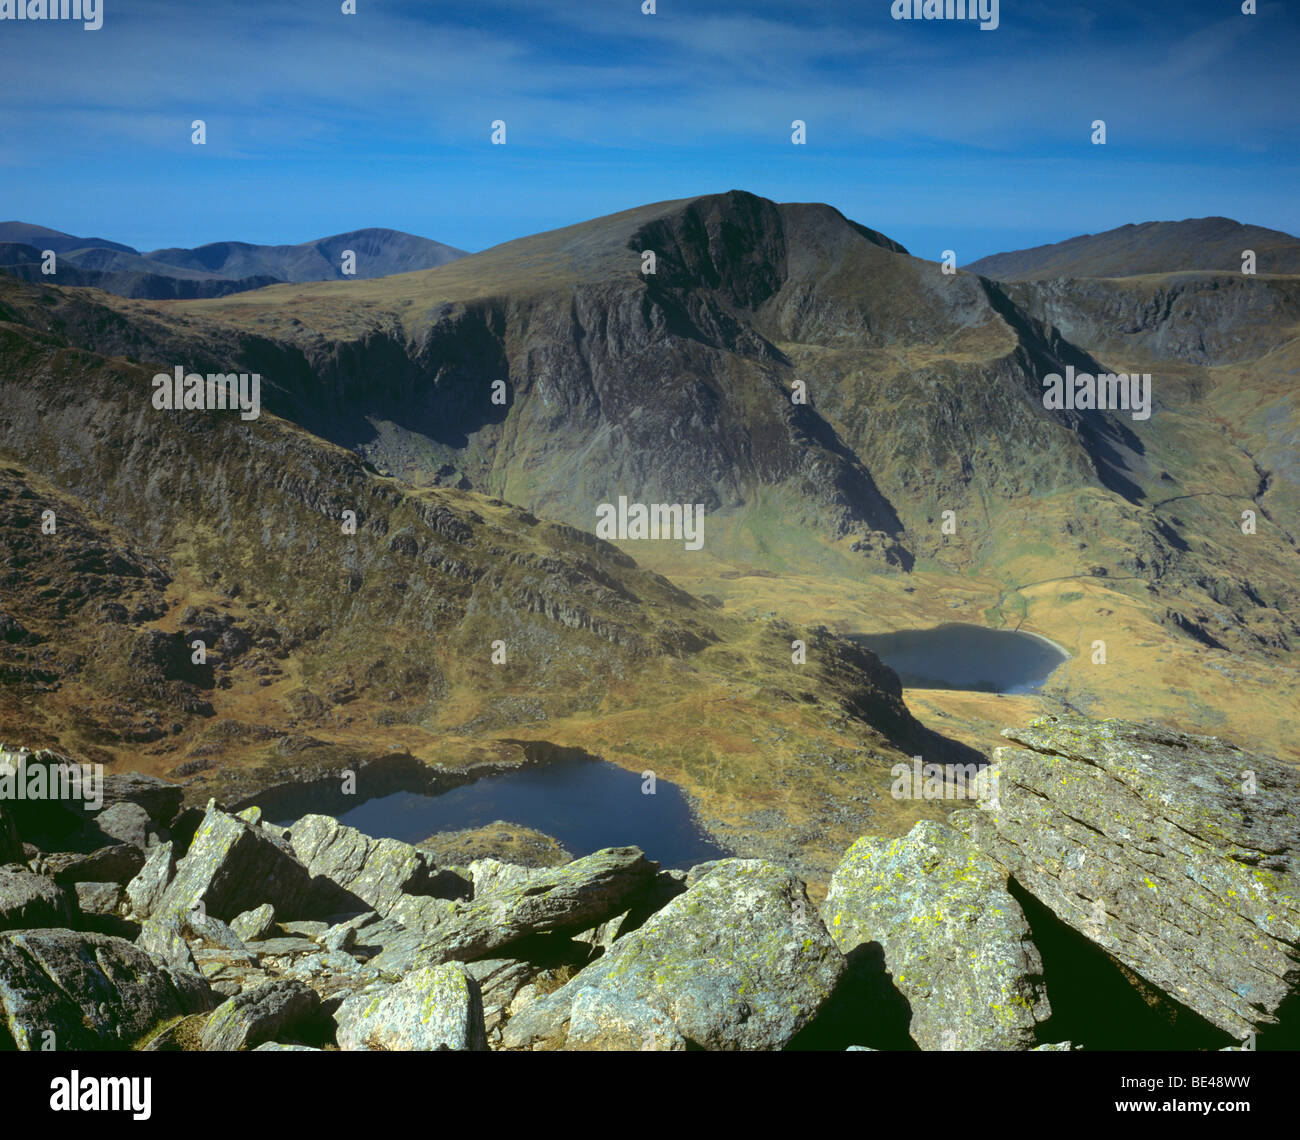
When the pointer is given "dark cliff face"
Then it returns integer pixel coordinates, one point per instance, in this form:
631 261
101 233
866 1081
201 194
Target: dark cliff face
922 390
1195 318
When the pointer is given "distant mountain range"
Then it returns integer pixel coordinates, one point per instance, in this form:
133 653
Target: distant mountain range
212 270
221 268
1150 247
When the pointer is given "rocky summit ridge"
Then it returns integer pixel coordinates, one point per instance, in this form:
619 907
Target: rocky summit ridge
1169 857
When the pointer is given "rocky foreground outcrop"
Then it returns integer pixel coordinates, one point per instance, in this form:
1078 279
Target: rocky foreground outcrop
956 942
737 961
1172 855
1176 854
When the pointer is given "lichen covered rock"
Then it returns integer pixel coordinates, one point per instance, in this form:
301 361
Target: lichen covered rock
65 990
1176 854
739 961
955 941
438 1007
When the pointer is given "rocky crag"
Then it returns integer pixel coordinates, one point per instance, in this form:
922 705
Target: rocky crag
1170 858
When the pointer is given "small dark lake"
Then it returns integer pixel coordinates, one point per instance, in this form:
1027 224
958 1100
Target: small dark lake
960 656
585 803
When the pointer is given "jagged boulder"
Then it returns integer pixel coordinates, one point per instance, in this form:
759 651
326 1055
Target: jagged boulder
159 799
572 897
438 1007
167 933
379 872
98 898
259 1015
118 863
1176 854
739 961
216 933
256 924
30 901
146 890
499 979
129 823
955 941
232 866
90 991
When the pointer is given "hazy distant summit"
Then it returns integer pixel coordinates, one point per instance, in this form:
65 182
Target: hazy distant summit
212 270
1149 247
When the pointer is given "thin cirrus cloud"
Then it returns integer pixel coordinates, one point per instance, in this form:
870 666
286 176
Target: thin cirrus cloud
710 88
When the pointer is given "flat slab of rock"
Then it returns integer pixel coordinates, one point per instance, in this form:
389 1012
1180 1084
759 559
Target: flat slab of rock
89 991
490 876
602 1022
438 1007
312 928
228 974
1177 854
955 941
739 961
259 1015
283 947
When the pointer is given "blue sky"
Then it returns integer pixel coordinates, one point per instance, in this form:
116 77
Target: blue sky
937 133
